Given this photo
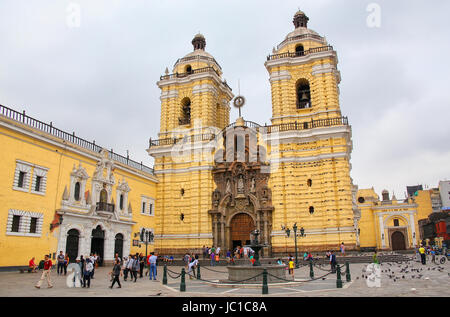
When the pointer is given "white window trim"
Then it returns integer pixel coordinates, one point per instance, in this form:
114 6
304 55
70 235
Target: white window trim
38 171
31 172
25 223
149 201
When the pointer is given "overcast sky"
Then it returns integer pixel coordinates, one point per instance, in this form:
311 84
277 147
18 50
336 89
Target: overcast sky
99 78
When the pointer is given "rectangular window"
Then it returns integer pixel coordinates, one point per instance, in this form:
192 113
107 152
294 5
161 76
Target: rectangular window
33 225
151 208
15 224
143 207
396 224
21 179
37 186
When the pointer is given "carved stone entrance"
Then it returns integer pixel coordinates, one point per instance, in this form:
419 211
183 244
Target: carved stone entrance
241 226
242 199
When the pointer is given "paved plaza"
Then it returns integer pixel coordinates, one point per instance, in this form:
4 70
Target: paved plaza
397 279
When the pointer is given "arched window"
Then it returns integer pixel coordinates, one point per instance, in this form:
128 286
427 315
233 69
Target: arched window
311 210
188 69
299 50
309 182
303 94
185 111
77 191
121 202
103 196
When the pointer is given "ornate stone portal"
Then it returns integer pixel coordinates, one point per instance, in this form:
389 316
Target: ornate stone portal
242 201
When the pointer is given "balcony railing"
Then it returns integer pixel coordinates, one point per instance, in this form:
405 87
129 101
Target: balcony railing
186 139
294 126
306 125
194 71
299 54
197 57
69 137
102 206
300 37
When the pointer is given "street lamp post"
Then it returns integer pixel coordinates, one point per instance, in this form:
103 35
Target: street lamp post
302 234
295 239
146 236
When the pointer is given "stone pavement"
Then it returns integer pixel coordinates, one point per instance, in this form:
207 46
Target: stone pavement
402 279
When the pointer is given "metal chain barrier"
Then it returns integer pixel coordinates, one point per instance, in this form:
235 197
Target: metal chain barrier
169 271
206 268
317 278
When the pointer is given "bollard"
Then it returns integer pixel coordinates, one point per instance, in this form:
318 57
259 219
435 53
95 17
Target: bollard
338 280
311 270
347 272
183 281
165 275
198 272
265 287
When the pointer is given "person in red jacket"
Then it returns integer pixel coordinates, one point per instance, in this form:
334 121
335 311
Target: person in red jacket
46 274
32 266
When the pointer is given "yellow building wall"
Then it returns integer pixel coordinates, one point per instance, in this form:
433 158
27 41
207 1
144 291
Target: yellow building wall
59 157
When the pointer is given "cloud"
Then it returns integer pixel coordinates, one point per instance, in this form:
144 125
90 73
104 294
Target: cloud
99 80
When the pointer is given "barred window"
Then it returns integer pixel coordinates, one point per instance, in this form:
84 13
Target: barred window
21 179
33 224
15 223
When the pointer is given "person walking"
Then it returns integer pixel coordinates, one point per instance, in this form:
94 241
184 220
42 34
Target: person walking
343 248
333 261
433 256
291 266
82 261
141 264
46 273
66 263
92 258
375 259
422 255
125 267
152 263
60 260
135 266
115 273
88 270
213 258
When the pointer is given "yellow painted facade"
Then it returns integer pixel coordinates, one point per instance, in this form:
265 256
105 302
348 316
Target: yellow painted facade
307 149
387 224
314 143
27 147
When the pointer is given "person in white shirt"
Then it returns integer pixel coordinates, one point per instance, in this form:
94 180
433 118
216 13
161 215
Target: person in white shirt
88 269
193 266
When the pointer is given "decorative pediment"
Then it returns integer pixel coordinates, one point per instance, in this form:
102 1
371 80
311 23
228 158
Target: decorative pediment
123 186
79 172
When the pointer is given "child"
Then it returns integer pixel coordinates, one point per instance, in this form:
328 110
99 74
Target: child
291 266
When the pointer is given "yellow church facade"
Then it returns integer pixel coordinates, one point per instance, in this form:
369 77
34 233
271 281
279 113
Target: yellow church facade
213 182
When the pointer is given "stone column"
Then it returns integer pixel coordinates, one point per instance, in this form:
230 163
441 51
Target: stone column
222 232
413 229
383 244
265 227
216 230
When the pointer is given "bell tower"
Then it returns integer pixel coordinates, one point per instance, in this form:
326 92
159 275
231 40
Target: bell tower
194 94
194 108
310 143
